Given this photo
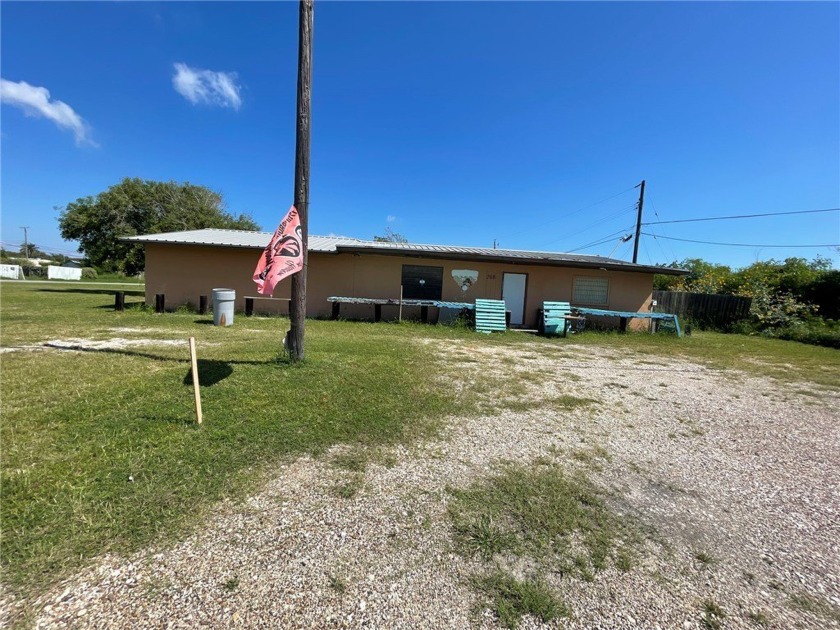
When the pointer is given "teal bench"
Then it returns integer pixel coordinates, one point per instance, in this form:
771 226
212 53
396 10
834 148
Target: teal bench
557 318
490 316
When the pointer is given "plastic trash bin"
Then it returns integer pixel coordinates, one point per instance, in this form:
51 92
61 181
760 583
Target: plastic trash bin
223 300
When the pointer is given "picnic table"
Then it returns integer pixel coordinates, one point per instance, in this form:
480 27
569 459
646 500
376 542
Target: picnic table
670 317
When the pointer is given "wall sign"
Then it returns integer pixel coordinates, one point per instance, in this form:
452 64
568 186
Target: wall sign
464 278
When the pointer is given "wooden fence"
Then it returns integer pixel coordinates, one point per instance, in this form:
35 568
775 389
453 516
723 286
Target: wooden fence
703 309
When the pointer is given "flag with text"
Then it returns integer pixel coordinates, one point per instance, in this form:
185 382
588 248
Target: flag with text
283 255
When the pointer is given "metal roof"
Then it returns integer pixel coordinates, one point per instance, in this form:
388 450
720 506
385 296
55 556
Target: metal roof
238 238
335 244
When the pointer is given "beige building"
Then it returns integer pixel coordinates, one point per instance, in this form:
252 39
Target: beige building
186 265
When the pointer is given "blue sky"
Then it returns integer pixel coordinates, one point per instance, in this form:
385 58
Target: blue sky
455 123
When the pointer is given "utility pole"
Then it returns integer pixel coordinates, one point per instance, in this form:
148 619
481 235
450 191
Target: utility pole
639 222
25 229
297 306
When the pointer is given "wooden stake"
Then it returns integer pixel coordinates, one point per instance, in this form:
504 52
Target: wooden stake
401 291
197 391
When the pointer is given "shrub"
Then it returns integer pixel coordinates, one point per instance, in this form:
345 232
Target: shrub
770 309
89 273
816 332
33 271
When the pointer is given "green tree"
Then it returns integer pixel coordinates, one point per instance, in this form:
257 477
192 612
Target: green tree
136 206
390 237
31 250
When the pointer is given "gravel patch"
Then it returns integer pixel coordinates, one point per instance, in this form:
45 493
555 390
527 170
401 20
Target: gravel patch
115 343
740 471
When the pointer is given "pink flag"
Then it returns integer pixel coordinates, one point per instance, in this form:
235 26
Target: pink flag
283 255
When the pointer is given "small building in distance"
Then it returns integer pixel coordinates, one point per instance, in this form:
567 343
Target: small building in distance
186 265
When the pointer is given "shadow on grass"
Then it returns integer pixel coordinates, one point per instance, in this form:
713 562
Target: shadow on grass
129 306
129 293
214 366
210 372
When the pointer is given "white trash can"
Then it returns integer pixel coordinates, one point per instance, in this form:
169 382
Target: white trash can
223 300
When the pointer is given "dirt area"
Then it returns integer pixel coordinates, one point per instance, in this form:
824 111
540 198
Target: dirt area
115 343
734 480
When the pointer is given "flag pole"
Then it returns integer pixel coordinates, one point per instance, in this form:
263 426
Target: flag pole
297 306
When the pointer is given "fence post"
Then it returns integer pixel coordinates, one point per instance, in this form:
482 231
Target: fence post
119 301
202 305
249 306
160 302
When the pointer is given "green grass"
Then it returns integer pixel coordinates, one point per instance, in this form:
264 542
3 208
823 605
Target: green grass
538 512
511 599
77 425
554 521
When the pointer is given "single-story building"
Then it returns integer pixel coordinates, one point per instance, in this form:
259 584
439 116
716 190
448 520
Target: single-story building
186 265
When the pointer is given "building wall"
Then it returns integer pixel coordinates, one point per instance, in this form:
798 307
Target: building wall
183 273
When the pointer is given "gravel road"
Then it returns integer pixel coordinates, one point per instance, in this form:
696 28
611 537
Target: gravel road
739 471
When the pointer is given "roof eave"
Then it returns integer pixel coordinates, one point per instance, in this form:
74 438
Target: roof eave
513 260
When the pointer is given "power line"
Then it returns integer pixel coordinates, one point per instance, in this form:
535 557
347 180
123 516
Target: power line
601 221
601 241
743 216
573 212
686 240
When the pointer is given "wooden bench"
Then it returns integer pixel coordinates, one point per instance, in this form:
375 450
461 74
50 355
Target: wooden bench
249 302
557 318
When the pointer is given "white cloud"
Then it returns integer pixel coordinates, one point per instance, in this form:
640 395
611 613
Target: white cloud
206 86
391 218
35 101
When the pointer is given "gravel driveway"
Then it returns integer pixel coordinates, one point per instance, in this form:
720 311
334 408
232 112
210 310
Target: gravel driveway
736 480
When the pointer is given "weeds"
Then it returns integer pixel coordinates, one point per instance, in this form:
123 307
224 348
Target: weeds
348 488
704 558
511 599
713 615
759 618
542 514
337 584
820 607
231 584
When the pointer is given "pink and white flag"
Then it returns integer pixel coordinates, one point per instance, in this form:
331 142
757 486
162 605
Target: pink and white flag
283 255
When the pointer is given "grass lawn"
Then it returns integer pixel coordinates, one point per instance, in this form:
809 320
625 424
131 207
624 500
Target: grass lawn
99 448
106 278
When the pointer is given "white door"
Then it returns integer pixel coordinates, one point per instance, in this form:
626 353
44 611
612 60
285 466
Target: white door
513 293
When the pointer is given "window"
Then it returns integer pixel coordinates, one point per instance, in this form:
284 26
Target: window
594 291
420 282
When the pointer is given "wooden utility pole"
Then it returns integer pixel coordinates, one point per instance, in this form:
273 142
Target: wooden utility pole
297 306
25 229
639 222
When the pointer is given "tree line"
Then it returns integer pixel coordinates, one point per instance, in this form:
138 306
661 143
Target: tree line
795 298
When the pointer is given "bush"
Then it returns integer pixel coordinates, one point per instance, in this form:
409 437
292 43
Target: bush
814 331
817 332
33 271
89 273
